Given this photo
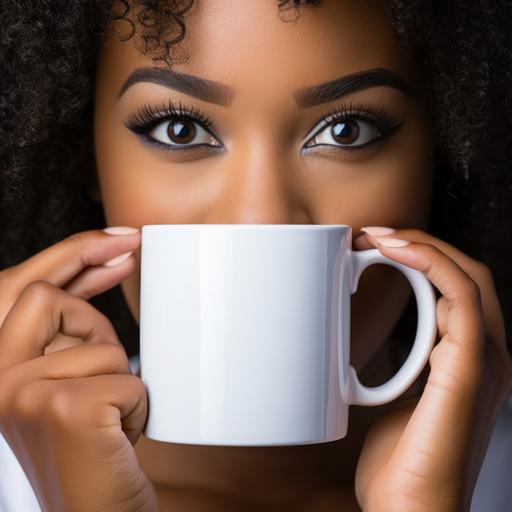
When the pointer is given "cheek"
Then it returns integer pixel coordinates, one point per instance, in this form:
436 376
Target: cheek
137 188
393 188
406 191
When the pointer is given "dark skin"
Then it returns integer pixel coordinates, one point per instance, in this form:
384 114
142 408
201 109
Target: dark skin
65 384
254 183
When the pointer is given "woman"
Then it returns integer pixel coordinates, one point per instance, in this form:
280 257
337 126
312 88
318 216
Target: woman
194 112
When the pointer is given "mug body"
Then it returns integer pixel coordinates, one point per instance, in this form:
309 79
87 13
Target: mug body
244 332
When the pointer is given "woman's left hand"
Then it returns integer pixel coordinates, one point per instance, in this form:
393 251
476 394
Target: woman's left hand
426 455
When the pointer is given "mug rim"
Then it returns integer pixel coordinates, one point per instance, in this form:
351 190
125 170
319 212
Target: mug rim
307 227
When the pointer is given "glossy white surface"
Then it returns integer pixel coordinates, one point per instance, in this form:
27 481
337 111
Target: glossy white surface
245 333
423 342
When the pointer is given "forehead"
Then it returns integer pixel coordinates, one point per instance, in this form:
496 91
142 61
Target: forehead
252 48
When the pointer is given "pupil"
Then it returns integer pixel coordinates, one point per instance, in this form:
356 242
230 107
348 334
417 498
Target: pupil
180 132
346 132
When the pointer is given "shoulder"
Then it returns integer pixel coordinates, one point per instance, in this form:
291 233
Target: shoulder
493 490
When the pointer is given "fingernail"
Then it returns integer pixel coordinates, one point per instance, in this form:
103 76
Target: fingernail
392 242
377 230
114 262
121 230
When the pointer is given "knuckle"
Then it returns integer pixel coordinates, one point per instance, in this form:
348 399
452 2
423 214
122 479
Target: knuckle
78 238
61 404
82 242
87 290
426 256
40 290
140 387
105 323
116 356
82 238
28 400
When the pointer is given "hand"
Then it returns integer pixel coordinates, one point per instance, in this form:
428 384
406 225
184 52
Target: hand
71 416
426 455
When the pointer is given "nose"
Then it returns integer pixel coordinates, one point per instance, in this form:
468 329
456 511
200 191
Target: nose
256 190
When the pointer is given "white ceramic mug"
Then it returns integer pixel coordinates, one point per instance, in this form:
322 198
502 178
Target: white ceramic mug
245 332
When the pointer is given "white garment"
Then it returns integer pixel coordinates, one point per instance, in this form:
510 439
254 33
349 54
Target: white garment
493 491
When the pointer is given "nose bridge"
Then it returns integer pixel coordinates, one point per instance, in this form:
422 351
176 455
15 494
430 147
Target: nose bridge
255 188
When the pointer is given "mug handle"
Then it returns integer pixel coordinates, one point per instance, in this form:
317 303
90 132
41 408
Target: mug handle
358 394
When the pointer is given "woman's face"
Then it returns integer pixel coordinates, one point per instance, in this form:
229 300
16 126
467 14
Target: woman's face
268 156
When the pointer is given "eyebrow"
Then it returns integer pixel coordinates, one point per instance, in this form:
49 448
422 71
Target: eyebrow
221 94
329 91
200 88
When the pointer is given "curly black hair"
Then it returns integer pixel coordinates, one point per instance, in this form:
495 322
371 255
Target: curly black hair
48 53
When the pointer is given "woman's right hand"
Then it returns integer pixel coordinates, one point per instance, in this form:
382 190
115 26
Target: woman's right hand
71 416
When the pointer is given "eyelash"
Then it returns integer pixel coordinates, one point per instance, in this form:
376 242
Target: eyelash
147 117
385 123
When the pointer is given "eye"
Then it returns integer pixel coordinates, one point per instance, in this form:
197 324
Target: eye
173 128
354 128
347 133
181 132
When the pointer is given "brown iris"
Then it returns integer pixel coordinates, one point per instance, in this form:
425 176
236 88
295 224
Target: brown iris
345 132
181 131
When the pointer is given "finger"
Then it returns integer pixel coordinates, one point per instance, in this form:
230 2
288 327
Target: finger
361 243
477 271
40 312
465 324
83 360
456 381
102 401
95 280
417 235
62 261
61 341
128 399
92 422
